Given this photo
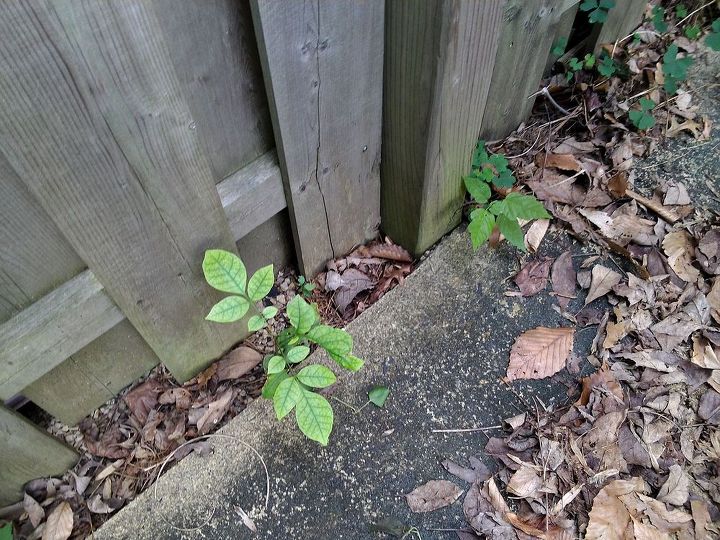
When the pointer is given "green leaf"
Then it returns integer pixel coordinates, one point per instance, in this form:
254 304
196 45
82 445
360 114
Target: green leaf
229 309
378 395
607 66
477 189
276 365
479 155
589 61
647 104
301 314
255 323
480 227
575 64
6 532
260 283
297 354
512 231
316 376
559 46
524 207
674 68
713 39
607 5
681 11
269 312
347 361
504 179
693 32
333 340
588 5
288 394
658 19
314 416
272 382
224 271
641 119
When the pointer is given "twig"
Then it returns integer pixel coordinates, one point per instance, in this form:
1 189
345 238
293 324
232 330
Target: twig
544 91
658 208
465 430
694 12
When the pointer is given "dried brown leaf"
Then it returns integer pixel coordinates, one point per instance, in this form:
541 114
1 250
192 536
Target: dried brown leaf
532 278
237 363
566 162
540 352
433 495
524 482
216 411
59 523
142 399
675 489
603 280
563 279
609 518
680 250
34 510
535 234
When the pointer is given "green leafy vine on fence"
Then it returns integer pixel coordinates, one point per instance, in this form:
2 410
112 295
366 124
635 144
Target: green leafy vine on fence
289 385
503 213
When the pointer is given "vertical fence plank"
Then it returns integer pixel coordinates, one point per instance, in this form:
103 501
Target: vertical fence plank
27 452
563 29
527 34
622 19
439 57
94 124
322 64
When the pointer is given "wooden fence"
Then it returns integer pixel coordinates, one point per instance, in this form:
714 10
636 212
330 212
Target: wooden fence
136 134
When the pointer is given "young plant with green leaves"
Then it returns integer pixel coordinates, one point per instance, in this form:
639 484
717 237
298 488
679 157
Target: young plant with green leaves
558 48
306 287
289 385
607 66
674 69
658 19
597 9
492 170
575 65
643 118
712 40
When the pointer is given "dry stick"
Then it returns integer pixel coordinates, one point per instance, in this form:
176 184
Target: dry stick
204 437
694 12
465 430
656 207
544 91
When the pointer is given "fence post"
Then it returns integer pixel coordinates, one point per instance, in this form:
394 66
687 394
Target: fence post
27 452
439 58
322 65
622 19
528 30
98 131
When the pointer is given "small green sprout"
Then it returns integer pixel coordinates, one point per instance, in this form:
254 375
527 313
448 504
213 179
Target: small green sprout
713 38
674 69
643 118
598 9
658 19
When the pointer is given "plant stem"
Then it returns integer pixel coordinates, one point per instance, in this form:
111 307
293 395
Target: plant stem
355 410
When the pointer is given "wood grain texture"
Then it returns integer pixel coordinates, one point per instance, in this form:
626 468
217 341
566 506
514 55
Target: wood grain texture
270 242
439 57
113 161
94 374
252 195
563 29
213 49
34 256
43 335
322 65
529 27
622 19
27 452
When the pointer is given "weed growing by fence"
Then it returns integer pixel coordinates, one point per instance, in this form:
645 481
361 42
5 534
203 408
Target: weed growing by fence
597 10
289 386
643 118
492 170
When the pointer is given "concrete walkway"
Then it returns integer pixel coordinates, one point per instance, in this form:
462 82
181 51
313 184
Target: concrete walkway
440 342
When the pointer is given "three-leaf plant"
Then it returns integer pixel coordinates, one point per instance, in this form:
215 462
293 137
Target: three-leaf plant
598 9
643 118
713 38
501 213
288 385
674 69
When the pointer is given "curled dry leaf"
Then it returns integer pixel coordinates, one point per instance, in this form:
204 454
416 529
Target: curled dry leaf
603 280
433 495
563 279
540 353
679 248
237 363
34 510
535 234
675 489
142 399
532 278
525 482
609 517
216 410
59 523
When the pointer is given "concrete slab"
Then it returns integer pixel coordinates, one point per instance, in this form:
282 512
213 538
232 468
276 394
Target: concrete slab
441 343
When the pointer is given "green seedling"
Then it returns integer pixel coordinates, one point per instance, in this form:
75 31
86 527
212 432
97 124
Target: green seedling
713 38
681 11
658 19
643 118
692 32
597 9
559 46
674 69
290 385
486 215
306 287
607 66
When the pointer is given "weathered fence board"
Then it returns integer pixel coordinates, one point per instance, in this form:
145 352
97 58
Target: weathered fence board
253 195
214 53
563 29
439 59
34 256
93 375
56 326
322 65
114 145
27 452
529 26
622 19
